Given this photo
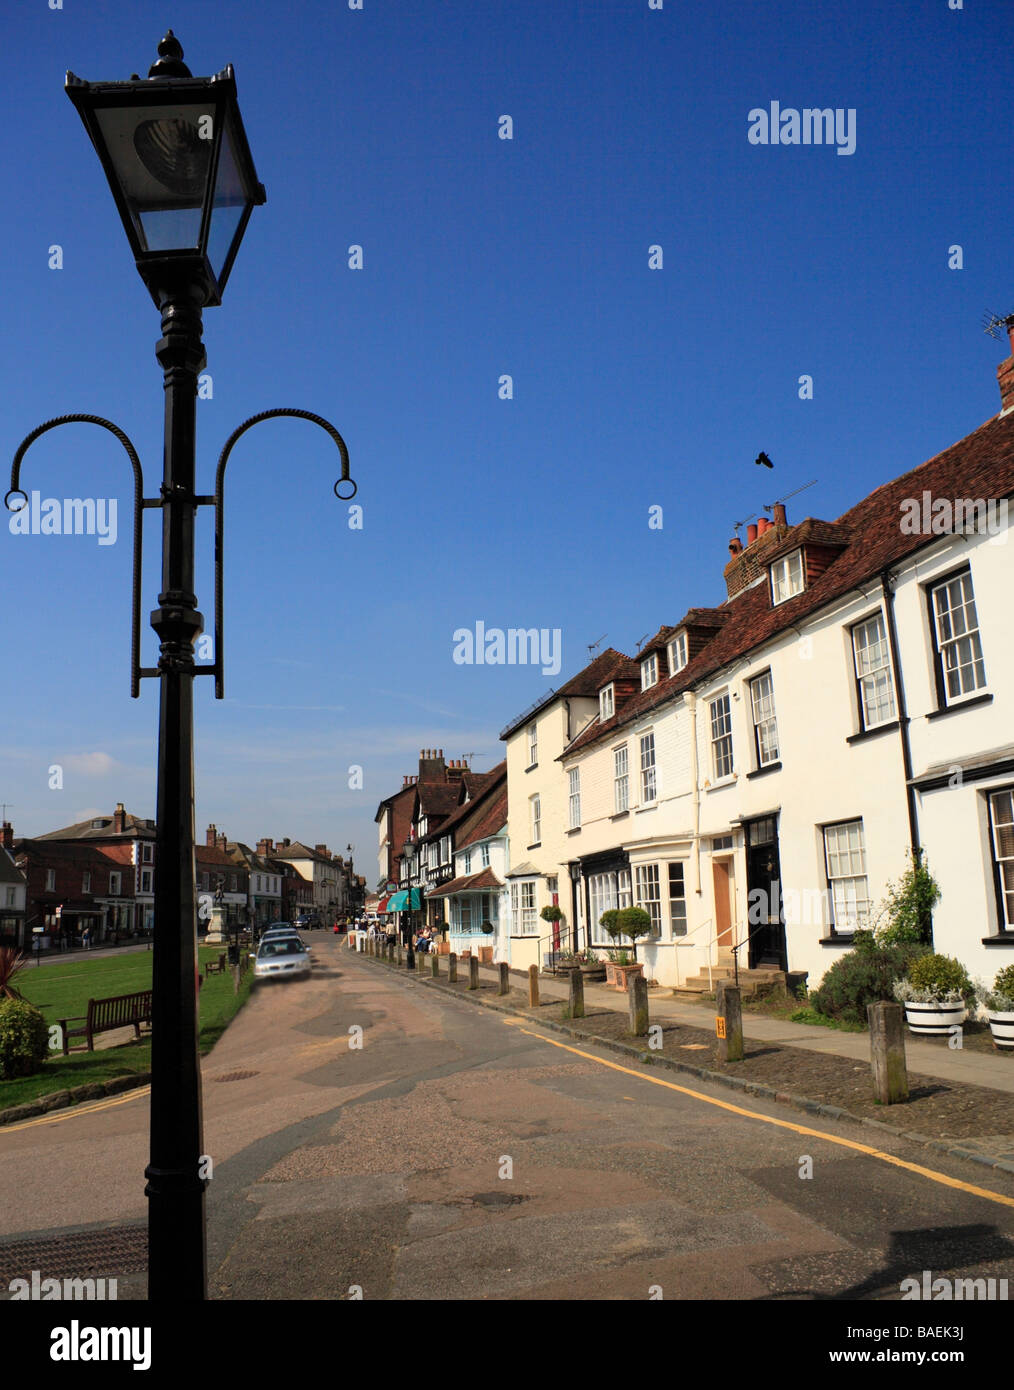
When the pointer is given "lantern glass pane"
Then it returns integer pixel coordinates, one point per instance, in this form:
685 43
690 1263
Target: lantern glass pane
160 158
227 207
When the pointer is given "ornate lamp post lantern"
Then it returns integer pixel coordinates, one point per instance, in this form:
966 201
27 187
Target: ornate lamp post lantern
175 154
408 855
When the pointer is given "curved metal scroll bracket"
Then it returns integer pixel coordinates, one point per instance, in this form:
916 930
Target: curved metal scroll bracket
135 463
223 459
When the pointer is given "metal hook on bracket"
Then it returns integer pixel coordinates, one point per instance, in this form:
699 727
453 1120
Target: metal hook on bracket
223 458
135 463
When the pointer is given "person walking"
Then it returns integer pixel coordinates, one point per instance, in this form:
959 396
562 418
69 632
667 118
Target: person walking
86 936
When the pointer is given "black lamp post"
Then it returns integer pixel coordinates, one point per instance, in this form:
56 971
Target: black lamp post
176 156
407 852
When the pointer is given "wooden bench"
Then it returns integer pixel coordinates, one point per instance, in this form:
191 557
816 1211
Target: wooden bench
215 967
106 1014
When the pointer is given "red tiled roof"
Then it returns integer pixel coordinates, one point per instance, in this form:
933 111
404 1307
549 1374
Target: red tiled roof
437 798
482 784
979 466
661 639
490 817
607 666
468 883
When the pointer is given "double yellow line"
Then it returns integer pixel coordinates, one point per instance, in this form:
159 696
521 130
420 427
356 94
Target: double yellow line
853 1144
58 1116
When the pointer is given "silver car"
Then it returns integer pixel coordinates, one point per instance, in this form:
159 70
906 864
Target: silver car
281 957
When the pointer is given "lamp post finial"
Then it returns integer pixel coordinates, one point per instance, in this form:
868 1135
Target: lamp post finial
170 59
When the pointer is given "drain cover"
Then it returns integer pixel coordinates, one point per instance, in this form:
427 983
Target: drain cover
497 1199
234 1076
115 1249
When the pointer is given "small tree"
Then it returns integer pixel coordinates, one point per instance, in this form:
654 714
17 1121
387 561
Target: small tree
627 921
906 913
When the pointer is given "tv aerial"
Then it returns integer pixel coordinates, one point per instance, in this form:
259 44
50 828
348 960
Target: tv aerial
641 640
594 646
770 506
996 326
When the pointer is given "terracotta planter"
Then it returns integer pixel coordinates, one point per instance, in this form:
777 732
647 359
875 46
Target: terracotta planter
443 948
618 975
934 1020
485 955
1001 1025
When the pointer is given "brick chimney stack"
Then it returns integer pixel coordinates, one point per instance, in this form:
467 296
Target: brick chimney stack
746 563
223 842
320 849
119 819
1005 376
7 835
264 846
210 837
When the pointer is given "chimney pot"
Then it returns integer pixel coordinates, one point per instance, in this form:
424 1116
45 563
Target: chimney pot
751 533
763 525
779 514
8 835
735 546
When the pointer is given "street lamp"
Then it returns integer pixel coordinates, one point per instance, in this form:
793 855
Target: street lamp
407 854
174 151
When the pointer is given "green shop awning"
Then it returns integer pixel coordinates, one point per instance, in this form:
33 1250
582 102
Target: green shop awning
399 901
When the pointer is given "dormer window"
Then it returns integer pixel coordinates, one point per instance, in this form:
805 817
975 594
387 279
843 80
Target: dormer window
649 671
787 577
678 653
607 703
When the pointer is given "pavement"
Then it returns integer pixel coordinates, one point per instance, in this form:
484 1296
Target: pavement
926 1059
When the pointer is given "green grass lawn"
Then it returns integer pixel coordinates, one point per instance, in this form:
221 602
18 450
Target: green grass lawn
63 991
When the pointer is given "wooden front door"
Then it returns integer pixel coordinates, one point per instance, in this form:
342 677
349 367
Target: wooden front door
721 870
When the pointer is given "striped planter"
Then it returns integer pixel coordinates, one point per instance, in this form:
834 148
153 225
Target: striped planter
1001 1025
934 1020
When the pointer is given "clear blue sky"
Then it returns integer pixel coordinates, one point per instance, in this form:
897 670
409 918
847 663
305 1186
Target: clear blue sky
483 256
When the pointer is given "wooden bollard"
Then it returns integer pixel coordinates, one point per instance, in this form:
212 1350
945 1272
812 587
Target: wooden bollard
434 965
729 1023
533 986
452 968
504 987
637 999
397 957
887 1052
473 971
576 994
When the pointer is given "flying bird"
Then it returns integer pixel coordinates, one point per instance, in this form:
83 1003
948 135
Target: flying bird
763 458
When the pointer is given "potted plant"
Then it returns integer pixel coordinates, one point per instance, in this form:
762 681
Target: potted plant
591 967
998 1003
935 992
486 952
619 922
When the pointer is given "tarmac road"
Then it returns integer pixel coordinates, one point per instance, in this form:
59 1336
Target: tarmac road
458 1154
